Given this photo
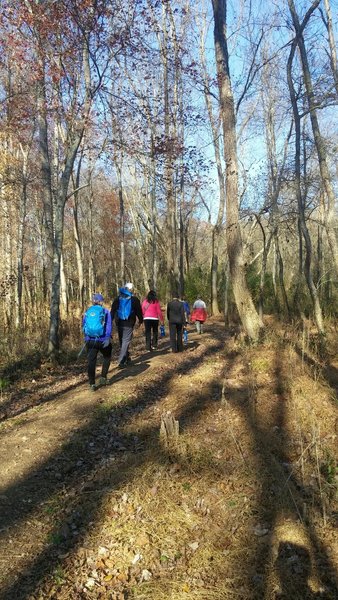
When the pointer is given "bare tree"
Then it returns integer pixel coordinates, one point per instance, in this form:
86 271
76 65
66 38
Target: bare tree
319 141
300 200
251 321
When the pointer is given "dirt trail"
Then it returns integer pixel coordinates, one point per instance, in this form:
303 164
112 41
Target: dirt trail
92 506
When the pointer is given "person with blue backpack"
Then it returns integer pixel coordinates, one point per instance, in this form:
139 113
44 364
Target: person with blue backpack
125 309
97 329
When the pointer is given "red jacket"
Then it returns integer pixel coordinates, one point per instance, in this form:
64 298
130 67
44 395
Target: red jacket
199 314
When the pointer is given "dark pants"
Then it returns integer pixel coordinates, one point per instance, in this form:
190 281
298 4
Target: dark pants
125 336
151 331
175 332
93 348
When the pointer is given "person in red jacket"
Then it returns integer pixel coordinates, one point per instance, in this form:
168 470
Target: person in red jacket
152 314
199 314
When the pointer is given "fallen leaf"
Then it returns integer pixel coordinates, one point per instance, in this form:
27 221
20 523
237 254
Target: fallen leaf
193 546
146 575
136 558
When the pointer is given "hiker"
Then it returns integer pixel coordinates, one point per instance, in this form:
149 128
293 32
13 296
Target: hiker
97 329
152 314
199 314
176 318
125 308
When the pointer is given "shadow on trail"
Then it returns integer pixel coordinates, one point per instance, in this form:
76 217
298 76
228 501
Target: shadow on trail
282 494
20 500
23 366
294 568
23 400
280 491
329 372
9 409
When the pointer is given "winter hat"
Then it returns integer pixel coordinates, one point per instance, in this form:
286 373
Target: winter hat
97 298
129 286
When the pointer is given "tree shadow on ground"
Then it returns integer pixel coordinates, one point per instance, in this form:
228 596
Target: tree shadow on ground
25 365
294 568
9 409
282 493
269 450
21 499
19 402
329 371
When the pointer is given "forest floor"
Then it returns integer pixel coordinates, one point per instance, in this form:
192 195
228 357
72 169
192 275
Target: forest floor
242 506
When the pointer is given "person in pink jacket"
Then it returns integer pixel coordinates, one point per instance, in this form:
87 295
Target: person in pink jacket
152 314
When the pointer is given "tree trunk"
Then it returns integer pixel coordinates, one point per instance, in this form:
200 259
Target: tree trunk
20 240
63 280
284 303
172 258
154 260
332 42
79 255
249 317
220 174
301 209
45 167
319 142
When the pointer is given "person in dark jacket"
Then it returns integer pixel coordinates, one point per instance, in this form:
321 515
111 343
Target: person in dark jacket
176 318
126 324
98 343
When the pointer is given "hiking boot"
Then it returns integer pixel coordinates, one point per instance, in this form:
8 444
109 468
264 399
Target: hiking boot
121 365
103 381
92 387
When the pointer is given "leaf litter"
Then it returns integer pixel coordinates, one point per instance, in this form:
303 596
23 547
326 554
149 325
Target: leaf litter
214 517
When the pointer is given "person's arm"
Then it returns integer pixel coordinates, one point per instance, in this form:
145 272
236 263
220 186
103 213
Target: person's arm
114 308
138 309
159 312
108 328
168 311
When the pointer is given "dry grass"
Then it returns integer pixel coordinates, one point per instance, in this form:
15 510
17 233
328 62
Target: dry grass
243 507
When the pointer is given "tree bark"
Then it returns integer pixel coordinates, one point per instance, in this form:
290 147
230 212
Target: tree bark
318 139
332 42
301 210
249 317
217 228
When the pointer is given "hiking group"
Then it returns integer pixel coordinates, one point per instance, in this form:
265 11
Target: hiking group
97 326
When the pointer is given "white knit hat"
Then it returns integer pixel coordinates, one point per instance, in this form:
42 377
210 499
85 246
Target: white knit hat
129 286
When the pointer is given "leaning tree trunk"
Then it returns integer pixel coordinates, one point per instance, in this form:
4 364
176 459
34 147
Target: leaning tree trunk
318 139
301 209
249 317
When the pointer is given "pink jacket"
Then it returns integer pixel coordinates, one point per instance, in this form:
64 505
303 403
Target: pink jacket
152 310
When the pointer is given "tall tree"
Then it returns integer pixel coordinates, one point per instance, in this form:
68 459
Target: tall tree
250 319
318 138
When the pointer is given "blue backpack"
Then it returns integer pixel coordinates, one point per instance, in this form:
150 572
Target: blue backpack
95 317
124 309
